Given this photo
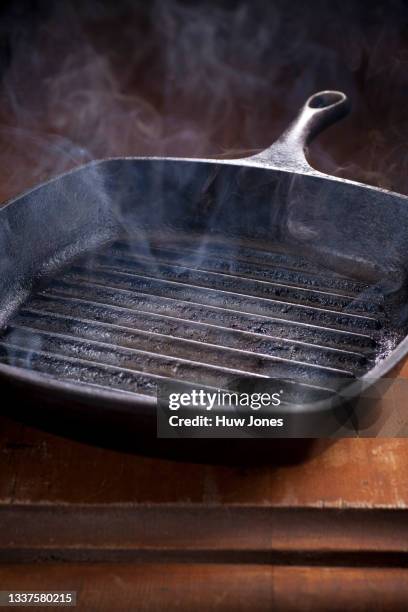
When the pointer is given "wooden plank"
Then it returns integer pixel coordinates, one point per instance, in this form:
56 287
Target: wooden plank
42 467
238 533
222 587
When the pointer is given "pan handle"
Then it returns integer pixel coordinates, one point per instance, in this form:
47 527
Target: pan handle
320 110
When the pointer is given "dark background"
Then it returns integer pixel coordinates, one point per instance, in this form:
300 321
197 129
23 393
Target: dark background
87 79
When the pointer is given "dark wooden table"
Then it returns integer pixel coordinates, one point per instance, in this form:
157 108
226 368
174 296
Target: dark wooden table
320 526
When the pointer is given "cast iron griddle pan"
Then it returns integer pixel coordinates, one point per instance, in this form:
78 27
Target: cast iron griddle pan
127 272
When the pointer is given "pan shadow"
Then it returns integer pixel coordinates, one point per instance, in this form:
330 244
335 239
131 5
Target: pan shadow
118 431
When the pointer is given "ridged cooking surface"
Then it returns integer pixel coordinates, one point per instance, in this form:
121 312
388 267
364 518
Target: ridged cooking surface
131 315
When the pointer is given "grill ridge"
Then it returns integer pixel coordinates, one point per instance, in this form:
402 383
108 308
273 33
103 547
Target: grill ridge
127 316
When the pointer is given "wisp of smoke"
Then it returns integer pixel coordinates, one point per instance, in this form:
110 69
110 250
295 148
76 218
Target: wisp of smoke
91 79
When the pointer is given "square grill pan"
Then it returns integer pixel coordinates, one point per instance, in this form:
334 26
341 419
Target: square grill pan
128 272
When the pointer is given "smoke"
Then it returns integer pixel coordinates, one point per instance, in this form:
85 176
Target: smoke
83 80
93 79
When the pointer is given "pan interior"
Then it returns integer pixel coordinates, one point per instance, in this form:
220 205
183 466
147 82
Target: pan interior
202 309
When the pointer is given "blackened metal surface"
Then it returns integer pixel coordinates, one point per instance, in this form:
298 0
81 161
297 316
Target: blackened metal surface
129 315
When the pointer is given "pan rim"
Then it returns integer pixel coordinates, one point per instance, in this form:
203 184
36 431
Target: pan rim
245 162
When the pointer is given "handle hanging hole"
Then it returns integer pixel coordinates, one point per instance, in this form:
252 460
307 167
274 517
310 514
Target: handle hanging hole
326 99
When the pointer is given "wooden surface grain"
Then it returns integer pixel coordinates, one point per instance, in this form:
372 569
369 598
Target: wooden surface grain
131 531
40 467
223 587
